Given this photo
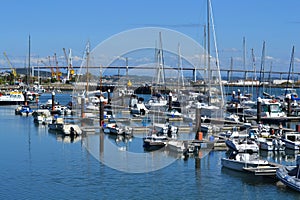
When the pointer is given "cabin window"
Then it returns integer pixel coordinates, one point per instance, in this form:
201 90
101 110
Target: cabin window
274 108
291 138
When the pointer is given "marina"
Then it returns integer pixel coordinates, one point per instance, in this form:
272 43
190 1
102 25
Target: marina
77 161
150 112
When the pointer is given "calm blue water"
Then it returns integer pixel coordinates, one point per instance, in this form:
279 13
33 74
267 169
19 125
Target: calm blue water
36 164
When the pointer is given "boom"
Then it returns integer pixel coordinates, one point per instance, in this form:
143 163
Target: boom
13 71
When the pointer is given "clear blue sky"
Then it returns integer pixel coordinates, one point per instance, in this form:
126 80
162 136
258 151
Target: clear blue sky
57 24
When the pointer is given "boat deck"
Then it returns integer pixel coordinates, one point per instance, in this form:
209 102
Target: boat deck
268 170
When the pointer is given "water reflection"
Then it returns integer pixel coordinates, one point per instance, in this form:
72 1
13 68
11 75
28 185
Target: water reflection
287 156
247 178
65 138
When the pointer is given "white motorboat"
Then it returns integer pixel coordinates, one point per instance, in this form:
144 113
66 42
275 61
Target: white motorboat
291 140
67 129
23 110
160 136
290 175
176 146
240 142
251 163
42 116
154 142
48 104
156 101
63 110
242 145
174 113
260 131
270 144
166 129
112 128
232 117
269 107
138 109
12 98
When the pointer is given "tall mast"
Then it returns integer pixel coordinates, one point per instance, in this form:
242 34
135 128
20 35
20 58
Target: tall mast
29 68
231 66
205 48
180 69
270 74
87 66
208 51
244 61
291 68
262 68
160 67
254 69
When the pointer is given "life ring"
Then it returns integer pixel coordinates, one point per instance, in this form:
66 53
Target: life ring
272 132
102 123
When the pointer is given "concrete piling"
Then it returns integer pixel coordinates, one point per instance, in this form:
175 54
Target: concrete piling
258 110
101 111
82 106
170 101
53 100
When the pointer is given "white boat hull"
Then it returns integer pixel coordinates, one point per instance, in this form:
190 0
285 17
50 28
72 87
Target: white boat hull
249 163
176 146
237 165
269 144
66 129
242 146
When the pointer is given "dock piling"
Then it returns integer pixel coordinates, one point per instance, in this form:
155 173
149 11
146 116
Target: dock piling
101 111
82 106
289 104
53 98
170 101
258 110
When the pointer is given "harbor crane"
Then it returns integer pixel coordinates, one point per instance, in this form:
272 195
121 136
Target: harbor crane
53 75
70 70
13 70
58 73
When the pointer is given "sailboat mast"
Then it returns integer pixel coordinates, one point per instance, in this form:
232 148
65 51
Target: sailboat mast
162 59
270 78
87 66
262 69
178 68
208 51
205 57
29 67
244 62
291 67
254 69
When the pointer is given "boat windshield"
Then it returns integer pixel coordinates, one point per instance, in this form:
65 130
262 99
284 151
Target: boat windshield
275 108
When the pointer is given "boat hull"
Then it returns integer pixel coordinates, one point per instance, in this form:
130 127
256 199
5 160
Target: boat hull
290 181
242 146
153 145
7 103
292 144
237 165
